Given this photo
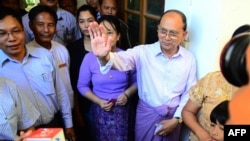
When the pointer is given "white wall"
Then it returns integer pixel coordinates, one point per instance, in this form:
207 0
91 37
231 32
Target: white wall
210 25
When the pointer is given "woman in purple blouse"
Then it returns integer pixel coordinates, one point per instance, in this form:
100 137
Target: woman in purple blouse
109 92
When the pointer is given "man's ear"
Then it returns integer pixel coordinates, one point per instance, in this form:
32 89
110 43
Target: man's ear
233 60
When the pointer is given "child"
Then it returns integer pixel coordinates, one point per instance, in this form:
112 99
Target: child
218 118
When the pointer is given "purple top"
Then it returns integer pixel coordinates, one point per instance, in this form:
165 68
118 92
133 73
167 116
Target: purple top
105 86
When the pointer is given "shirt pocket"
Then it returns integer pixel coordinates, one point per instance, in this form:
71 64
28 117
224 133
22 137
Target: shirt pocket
44 83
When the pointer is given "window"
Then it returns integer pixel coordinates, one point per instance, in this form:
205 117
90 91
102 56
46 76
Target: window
142 17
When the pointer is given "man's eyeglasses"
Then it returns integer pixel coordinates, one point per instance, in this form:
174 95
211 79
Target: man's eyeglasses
171 33
14 32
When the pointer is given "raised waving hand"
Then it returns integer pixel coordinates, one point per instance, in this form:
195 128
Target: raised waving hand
100 41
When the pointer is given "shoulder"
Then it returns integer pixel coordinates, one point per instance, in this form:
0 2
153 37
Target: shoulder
38 52
90 55
58 45
25 17
119 49
185 52
31 44
64 14
217 78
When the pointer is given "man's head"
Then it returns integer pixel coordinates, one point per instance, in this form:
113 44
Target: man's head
50 3
43 24
12 36
171 31
108 7
13 4
68 5
93 3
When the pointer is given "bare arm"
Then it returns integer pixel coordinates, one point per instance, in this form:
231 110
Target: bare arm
130 91
123 98
189 115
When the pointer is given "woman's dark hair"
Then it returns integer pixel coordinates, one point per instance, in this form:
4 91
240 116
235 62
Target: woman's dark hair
39 9
241 29
115 23
183 17
5 11
85 7
113 20
220 113
233 57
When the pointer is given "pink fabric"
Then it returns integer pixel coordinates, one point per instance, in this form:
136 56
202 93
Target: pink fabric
146 119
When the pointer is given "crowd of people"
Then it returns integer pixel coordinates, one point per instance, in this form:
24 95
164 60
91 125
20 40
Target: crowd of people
75 68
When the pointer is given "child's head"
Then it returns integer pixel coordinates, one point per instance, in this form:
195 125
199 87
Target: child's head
218 118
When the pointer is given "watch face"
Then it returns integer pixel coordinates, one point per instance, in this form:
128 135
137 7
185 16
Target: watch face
180 120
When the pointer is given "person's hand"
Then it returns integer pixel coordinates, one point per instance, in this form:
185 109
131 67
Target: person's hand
122 99
100 42
204 136
168 126
70 133
23 135
105 105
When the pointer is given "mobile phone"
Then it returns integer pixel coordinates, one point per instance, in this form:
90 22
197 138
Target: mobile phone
158 127
112 100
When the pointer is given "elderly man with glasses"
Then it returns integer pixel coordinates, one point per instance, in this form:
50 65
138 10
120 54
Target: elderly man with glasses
165 73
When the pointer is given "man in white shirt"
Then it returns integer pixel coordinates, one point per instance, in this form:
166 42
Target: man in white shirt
43 24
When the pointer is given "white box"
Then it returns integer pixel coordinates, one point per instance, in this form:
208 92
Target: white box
47 134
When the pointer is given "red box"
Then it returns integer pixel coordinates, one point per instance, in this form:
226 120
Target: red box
47 134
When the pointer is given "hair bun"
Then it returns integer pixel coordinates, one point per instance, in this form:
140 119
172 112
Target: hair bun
233 60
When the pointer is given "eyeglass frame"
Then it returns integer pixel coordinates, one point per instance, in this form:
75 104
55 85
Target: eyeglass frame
171 33
14 32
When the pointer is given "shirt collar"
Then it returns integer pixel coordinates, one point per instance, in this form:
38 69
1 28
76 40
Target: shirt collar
29 53
158 50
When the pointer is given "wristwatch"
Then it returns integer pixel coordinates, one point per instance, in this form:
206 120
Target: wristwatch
179 119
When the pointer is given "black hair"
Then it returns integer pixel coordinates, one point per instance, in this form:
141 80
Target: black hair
39 9
241 29
86 7
5 11
74 1
101 1
233 57
113 20
183 17
220 113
